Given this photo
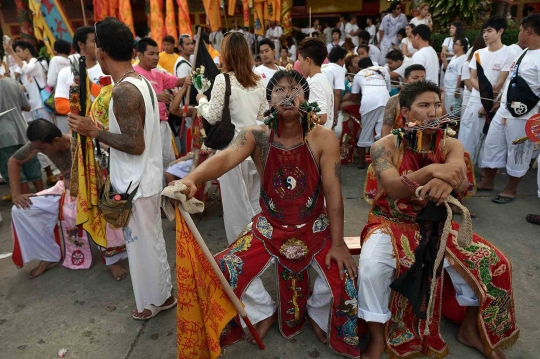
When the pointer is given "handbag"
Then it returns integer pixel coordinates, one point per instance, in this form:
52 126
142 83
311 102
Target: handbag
45 92
113 206
220 135
520 99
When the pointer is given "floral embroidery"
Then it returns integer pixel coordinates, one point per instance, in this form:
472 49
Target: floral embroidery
321 223
349 309
294 249
128 235
270 206
264 227
311 202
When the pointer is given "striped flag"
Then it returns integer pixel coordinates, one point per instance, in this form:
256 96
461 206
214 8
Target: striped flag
170 22
184 21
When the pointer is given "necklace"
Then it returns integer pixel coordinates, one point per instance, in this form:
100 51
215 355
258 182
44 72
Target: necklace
125 74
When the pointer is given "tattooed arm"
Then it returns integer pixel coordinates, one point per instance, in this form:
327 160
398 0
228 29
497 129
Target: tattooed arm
389 115
24 154
384 155
241 148
129 110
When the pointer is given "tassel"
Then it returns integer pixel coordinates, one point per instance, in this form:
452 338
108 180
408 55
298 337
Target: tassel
419 141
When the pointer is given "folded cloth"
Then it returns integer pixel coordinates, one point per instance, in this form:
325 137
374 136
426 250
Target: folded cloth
175 192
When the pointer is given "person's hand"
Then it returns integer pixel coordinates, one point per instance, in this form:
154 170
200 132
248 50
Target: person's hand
482 112
22 201
450 173
199 96
165 97
191 187
187 82
82 125
436 190
76 80
341 255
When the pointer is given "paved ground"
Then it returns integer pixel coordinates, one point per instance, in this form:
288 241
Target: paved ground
89 314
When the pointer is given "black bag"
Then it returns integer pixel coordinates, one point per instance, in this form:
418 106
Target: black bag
519 92
219 136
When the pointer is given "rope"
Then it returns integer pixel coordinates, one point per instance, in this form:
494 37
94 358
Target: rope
464 239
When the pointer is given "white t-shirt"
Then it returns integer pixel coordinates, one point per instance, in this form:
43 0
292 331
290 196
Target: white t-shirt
184 69
66 78
57 63
372 31
376 56
452 73
493 64
391 25
320 91
428 58
292 52
410 47
351 28
516 49
417 22
374 88
335 74
529 70
328 35
331 45
342 29
449 43
400 70
30 73
266 73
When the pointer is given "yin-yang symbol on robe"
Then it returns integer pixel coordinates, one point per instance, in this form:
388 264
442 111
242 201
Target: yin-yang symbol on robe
291 183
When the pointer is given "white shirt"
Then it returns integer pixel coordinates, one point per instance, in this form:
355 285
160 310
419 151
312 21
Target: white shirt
516 49
331 45
143 170
493 64
400 70
428 58
372 31
417 22
275 32
351 28
328 34
452 73
292 52
215 39
342 29
410 47
310 30
529 70
335 75
374 88
30 73
66 78
182 67
57 63
266 73
391 25
376 56
320 91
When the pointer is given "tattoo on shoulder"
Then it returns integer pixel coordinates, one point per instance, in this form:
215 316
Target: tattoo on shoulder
382 159
239 142
390 113
262 140
337 171
24 152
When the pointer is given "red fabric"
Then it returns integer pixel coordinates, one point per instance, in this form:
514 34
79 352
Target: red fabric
483 266
349 133
16 256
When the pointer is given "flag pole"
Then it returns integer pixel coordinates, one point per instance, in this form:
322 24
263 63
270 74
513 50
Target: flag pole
224 282
188 92
84 14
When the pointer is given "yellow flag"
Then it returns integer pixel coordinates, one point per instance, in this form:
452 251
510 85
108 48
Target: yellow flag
184 21
269 14
125 15
170 22
232 6
213 17
156 21
204 309
277 11
258 16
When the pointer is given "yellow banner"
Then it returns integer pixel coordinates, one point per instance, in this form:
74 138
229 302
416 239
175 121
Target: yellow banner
269 14
125 15
213 17
156 21
258 17
204 309
232 6
184 21
277 11
325 6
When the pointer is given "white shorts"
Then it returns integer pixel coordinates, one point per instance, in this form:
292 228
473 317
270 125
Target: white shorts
499 150
470 129
371 127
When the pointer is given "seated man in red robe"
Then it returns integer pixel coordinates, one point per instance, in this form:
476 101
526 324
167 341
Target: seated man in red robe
299 164
404 234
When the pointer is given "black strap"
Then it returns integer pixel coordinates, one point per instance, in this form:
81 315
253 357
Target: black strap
518 62
180 63
226 117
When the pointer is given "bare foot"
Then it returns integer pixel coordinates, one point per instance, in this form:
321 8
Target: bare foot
40 269
147 312
485 186
374 350
117 271
319 333
472 339
262 328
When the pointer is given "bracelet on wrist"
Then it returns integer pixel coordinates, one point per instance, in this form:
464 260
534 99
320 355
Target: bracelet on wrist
411 185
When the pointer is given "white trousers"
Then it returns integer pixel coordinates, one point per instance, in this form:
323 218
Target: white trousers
538 177
166 144
448 99
148 264
371 127
62 123
499 150
376 271
259 304
41 113
470 130
35 230
240 194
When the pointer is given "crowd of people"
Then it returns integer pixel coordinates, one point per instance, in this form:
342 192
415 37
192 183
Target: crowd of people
299 110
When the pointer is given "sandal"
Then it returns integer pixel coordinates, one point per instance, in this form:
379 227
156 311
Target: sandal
533 218
503 199
156 310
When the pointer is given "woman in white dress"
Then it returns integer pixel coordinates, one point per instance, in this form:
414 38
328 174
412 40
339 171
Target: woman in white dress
457 31
407 48
240 187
